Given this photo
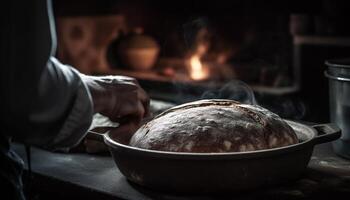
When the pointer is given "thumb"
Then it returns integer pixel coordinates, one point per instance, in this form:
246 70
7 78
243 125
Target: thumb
123 133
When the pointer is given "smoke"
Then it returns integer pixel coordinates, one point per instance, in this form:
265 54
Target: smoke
192 29
286 107
234 90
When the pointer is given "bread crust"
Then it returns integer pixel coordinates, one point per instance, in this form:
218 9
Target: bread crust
209 126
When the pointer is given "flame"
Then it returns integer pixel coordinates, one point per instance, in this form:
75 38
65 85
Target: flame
197 70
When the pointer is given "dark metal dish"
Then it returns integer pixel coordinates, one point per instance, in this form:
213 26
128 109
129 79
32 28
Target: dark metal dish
220 172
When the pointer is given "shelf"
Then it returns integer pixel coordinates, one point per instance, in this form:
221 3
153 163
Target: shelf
321 40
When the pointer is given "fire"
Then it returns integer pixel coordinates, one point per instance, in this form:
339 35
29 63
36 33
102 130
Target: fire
197 70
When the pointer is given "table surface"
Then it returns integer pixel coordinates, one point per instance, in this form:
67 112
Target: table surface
96 176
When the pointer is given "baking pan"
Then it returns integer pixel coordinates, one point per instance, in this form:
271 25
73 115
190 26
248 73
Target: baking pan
182 172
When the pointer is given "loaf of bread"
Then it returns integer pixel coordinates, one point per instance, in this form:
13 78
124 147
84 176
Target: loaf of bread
209 126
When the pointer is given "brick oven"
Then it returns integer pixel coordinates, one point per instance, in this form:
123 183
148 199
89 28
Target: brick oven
187 50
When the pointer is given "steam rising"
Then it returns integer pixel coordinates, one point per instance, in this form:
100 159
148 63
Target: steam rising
287 107
234 90
192 32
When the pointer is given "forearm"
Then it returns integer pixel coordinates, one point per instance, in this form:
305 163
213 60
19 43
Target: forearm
63 110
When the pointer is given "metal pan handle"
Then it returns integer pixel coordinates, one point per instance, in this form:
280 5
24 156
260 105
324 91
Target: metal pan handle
95 136
326 133
98 133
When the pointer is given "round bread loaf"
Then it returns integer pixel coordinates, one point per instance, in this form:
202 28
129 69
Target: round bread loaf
208 126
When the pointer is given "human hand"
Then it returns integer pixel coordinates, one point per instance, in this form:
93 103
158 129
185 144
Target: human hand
120 98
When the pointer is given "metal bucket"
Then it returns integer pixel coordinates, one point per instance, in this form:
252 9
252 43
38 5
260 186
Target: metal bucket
338 74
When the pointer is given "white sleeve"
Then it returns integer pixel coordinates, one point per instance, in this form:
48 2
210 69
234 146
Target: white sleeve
63 110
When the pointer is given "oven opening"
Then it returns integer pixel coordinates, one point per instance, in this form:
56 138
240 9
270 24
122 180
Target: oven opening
271 54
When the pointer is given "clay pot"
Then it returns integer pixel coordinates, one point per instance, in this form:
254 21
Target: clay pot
138 52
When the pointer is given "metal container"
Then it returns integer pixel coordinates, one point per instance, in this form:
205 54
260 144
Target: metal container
338 74
181 172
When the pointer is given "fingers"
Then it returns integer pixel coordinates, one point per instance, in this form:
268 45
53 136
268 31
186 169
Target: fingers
122 99
140 113
147 112
145 100
132 113
134 108
124 132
